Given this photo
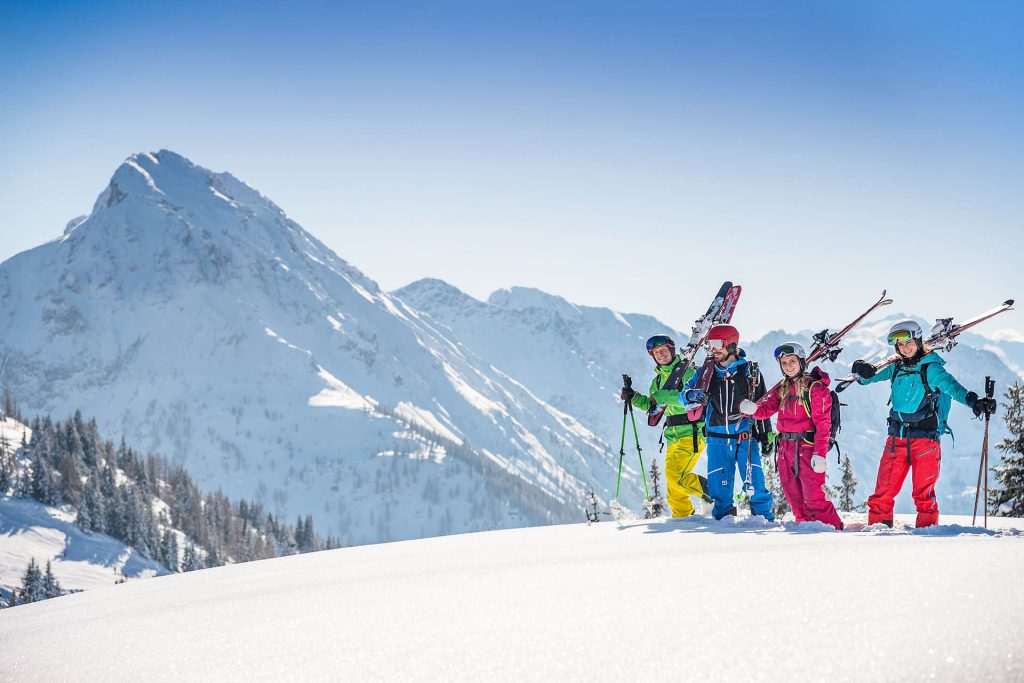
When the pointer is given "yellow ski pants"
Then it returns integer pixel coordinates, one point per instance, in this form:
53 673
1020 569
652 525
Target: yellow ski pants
680 457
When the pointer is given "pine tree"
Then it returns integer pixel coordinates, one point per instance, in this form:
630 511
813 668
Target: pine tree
191 561
70 489
1008 499
31 584
657 508
93 502
848 489
169 550
6 470
42 486
10 408
50 586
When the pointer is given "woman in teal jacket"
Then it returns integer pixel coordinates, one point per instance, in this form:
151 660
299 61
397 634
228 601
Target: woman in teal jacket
921 395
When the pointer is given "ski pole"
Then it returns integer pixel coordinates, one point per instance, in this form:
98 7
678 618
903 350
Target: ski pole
636 436
748 484
990 390
627 382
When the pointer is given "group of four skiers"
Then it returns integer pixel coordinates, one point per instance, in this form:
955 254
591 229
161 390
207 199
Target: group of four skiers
735 425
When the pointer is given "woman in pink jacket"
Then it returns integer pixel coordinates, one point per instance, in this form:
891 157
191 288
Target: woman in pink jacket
804 404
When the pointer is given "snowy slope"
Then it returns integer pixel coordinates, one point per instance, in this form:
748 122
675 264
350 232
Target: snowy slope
692 599
80 560
190 315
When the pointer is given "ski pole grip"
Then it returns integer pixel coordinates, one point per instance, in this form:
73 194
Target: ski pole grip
990 387
627 381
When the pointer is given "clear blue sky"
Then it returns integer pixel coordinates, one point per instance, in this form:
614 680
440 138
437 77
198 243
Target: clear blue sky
630 154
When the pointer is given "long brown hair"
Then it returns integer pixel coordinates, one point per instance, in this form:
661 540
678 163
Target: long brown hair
785 393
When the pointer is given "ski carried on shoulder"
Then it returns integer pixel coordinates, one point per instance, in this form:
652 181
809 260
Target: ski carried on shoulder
827 345
943 337
720 310
694 411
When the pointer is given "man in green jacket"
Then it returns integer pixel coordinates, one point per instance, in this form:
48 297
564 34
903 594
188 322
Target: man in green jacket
685 439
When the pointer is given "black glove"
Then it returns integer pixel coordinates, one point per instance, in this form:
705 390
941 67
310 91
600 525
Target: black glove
864 369
627 394
981 406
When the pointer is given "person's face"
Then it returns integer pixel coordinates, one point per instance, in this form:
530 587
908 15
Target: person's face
662 354
790 365
906 348
720 354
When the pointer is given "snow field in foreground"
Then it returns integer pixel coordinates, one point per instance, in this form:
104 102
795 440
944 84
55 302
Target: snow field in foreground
691 599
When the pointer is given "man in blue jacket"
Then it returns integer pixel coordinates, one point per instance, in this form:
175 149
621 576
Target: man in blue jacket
921 395
729 437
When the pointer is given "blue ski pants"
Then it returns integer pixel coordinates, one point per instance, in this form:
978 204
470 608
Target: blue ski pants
725 457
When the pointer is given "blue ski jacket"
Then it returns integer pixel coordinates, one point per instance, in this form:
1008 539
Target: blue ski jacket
729 386
911 403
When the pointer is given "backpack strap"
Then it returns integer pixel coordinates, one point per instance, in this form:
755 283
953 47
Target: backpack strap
805 398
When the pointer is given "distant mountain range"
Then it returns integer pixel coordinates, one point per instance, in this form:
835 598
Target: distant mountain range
190 315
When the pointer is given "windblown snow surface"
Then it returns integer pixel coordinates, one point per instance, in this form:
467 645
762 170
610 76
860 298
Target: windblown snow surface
688 599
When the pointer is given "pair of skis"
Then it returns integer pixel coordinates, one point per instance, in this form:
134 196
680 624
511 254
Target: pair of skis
943 337
719 313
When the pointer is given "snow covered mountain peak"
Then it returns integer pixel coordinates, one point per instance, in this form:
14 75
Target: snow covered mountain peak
521 298
428 292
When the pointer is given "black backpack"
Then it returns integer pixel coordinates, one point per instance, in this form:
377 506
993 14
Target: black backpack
836 416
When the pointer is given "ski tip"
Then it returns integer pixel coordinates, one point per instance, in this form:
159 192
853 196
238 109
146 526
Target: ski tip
1008 302
885 302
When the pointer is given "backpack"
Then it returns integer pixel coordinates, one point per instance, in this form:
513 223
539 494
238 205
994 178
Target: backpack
835 416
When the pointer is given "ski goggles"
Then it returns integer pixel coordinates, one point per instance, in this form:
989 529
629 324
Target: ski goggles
900 336
658 340
789 350
716 343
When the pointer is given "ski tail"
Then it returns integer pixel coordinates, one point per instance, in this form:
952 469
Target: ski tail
827 342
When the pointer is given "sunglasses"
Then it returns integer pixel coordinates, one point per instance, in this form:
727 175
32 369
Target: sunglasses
655 342
900 336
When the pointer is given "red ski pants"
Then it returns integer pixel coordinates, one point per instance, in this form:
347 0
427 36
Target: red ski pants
921 456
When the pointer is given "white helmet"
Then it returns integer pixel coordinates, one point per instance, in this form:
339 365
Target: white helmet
792 348
904 330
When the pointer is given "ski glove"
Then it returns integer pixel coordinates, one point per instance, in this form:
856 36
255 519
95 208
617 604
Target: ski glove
695 396
748 407
768 442
818 464
627 394
863 369
981 406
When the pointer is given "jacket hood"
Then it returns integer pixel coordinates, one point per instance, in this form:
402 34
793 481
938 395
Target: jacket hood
820 375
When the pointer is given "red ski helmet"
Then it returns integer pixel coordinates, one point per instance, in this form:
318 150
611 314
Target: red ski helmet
728 335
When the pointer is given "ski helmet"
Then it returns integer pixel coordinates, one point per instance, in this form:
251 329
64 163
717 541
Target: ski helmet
791 348
728 335
660 340
904 330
